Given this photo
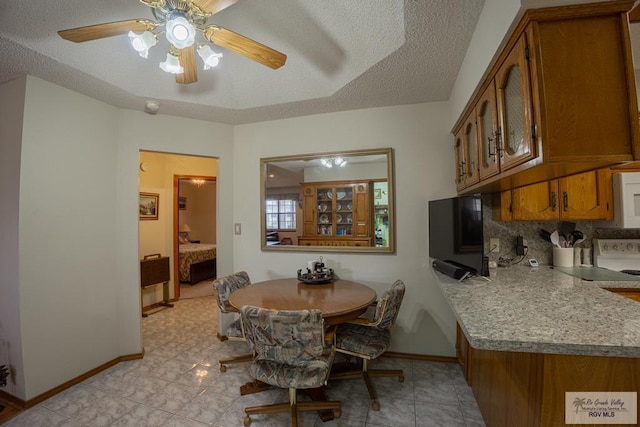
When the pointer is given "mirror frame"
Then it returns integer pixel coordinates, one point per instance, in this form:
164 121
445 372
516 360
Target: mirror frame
390 249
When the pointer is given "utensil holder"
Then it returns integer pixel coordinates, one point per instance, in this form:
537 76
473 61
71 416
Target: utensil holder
563 257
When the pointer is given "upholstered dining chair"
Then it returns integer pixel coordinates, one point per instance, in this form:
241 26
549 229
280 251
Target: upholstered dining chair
224 287
291 352
367 339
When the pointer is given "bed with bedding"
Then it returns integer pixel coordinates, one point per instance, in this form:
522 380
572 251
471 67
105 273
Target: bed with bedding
197 262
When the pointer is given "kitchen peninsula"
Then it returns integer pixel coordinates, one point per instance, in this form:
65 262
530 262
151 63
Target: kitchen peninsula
528 335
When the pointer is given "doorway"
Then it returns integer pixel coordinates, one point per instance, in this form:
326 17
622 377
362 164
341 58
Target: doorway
158 233
194 230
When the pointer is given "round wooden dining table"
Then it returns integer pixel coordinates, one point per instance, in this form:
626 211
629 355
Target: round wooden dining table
339 301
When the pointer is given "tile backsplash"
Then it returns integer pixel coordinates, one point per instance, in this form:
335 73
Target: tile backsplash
529 230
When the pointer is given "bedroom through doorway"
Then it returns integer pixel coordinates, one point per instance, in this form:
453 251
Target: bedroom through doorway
195 249
176 190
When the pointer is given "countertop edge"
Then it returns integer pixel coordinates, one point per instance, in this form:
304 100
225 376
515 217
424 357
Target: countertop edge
460 296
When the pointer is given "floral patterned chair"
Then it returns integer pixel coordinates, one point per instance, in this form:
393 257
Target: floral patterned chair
224 287
291 352
367 339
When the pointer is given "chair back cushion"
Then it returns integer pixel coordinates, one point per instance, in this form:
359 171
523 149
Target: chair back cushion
389 305
285 336
289 347
224 287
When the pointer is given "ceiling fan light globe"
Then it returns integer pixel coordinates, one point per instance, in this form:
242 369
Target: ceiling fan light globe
180 32
142 42
209 57
172 65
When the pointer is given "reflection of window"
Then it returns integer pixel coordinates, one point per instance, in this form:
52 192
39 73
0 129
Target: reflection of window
281 211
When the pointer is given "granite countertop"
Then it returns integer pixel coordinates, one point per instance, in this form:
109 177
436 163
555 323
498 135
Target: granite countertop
542 310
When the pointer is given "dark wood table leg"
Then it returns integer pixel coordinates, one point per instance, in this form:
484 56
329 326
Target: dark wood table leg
254 386
318 394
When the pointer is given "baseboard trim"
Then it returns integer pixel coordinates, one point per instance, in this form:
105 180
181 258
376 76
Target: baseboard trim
22 404
10 399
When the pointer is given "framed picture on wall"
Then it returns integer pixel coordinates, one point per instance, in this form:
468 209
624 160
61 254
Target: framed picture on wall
148 205
182 203
377 193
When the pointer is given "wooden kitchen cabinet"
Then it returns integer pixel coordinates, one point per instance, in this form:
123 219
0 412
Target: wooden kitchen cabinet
513 94
565 99
462 353
468 172
584 196
630 293
487 126
337 213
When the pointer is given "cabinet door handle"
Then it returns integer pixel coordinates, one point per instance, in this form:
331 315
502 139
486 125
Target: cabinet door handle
461 171
553 201
491 142
565 200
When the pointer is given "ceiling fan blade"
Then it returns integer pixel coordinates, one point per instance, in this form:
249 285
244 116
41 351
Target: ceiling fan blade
245 46
188 61
109 29
213 6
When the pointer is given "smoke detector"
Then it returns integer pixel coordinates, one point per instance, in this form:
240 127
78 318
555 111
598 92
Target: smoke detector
151 107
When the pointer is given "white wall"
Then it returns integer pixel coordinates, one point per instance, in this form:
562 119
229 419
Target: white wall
495 21
419 134
11 112
71 283
68 289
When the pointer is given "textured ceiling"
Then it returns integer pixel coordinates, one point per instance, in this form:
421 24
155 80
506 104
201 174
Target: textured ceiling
342 55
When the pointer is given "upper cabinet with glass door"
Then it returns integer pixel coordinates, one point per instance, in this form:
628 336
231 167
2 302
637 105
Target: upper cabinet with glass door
560 99
517 130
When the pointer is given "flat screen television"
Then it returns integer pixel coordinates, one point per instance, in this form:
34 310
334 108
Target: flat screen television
456 237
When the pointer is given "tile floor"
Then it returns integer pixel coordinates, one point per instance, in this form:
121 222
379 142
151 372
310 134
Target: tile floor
179 383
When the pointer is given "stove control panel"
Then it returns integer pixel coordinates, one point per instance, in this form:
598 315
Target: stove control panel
614 247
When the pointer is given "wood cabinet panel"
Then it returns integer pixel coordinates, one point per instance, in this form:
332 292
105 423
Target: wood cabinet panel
535 202
528 389
462 353
578 109
586 195
508 387
582 196
564 373
633 294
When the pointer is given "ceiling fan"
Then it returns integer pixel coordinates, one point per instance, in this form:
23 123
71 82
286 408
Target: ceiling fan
180 21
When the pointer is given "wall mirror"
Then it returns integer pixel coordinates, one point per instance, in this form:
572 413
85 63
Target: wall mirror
329 202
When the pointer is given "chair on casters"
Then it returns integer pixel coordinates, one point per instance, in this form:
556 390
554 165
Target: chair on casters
224 287
368 339
291 352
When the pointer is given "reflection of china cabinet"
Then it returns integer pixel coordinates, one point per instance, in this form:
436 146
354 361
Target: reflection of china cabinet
336 213
559 99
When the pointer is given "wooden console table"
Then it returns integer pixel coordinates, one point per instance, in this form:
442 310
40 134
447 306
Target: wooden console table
154 269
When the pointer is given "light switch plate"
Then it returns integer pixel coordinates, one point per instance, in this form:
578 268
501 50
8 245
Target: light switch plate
237 229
